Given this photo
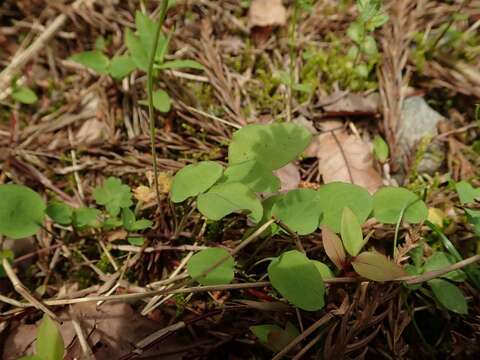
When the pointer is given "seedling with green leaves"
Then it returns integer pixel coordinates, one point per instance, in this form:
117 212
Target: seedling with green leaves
364 51
253 154
139 45
23 211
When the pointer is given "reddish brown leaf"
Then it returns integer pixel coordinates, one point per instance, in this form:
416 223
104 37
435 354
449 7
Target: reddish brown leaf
375 266
333 247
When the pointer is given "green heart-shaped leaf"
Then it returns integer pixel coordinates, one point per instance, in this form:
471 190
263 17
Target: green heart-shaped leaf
299 210
335 196
21 211
204 260
390 202
224 199
194 179
272 145
298 280
254 175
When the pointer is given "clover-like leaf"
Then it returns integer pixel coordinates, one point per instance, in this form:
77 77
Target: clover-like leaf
273 336
466 192
335 196
390 202
49 340
449 295
254 175
60 212
298 280
273 145
224 199
94 60
21 211
113 195
194 179
299 210
85 217
204 260
375 266
351 232
130 222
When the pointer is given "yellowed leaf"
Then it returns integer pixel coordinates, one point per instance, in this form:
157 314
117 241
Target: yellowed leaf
144 194
333 247
267 13
346 158
375 266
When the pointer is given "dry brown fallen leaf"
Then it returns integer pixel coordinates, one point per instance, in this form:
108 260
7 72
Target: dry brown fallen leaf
264 13
289 177
111 328
92 132
352 103
346 158
263 16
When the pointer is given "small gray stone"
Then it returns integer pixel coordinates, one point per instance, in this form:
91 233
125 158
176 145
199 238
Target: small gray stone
419 121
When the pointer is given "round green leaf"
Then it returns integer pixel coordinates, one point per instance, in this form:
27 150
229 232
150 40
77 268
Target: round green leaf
299 210
389 202
224 199
335 196
161 101
21 211
204 260
449 295
60 212
351 232
273 145
194 179
297 279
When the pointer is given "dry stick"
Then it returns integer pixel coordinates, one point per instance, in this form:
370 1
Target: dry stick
407 279
20 59
350 175
308 346
322 321
411 280
87 351
22 290
292 233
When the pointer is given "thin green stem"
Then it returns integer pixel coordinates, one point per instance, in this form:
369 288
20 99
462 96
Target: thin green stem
153 51
397 229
